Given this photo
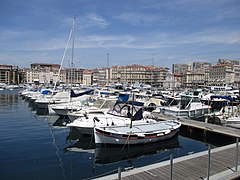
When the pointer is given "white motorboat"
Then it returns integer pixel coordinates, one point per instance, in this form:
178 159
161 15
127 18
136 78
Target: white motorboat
187 106
119 115
59 98
100 106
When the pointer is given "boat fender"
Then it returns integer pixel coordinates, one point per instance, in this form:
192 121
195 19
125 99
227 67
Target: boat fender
167 132
141 135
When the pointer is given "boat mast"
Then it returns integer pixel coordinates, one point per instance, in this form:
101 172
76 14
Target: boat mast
73 43
63 57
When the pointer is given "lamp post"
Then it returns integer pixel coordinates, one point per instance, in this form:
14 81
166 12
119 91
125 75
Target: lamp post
108 73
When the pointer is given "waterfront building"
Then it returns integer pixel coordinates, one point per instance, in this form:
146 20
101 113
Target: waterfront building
191 79
180 68
197 76
178 81
95 76
9 74
40 73
87 77
226 71
236 68
159 76
172 82
139 74
221 75
200 67
74 75
103 76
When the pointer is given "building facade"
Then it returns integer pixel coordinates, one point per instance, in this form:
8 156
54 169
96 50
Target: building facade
221 74
40 73
135 73
9 74
88 77
180 68
74 75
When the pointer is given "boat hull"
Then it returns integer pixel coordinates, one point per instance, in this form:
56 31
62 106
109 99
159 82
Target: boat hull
103 136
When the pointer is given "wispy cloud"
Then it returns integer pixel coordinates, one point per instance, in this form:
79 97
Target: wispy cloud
136 18
106 41
211 36
91 19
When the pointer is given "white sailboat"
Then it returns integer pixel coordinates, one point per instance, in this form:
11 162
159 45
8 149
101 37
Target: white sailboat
59 97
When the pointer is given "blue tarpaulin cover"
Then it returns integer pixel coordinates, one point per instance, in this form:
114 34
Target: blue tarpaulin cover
223 97
73 94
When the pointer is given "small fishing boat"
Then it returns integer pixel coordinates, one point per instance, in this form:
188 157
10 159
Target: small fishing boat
136 133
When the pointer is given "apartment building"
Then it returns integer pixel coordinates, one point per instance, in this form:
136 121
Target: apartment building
221 74
9 74
74 75
87 77
236 68
139 74
200 67
40 73
192 78
130 74
180 68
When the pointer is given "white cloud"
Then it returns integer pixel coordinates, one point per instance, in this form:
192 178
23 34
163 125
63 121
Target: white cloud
136 18
92 19
211 36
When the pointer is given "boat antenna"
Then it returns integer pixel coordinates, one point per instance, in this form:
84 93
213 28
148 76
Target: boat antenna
132 110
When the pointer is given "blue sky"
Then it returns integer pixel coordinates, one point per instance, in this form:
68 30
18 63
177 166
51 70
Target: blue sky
159 32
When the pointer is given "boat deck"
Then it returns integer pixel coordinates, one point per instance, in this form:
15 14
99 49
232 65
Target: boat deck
142 127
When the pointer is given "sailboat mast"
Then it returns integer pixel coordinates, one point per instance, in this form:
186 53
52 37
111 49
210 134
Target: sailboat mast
73 43
63 57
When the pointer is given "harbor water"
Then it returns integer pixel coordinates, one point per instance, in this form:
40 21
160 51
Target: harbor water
36 147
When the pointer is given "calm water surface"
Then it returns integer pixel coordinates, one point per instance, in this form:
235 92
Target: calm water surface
33 147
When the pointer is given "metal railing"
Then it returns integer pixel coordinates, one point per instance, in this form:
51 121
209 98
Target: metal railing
209 163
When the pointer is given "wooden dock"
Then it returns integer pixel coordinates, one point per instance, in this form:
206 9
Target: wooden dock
192 167
221 163
233 132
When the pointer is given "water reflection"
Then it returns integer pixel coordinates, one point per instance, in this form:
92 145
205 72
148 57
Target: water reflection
8 100
111 154
200 135
115 153
79 142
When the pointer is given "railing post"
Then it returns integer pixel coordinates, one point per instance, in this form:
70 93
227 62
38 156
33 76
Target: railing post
171 166
119 173
236 168
209 161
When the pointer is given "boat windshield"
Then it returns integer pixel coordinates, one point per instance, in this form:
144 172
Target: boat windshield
124 110
104 103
